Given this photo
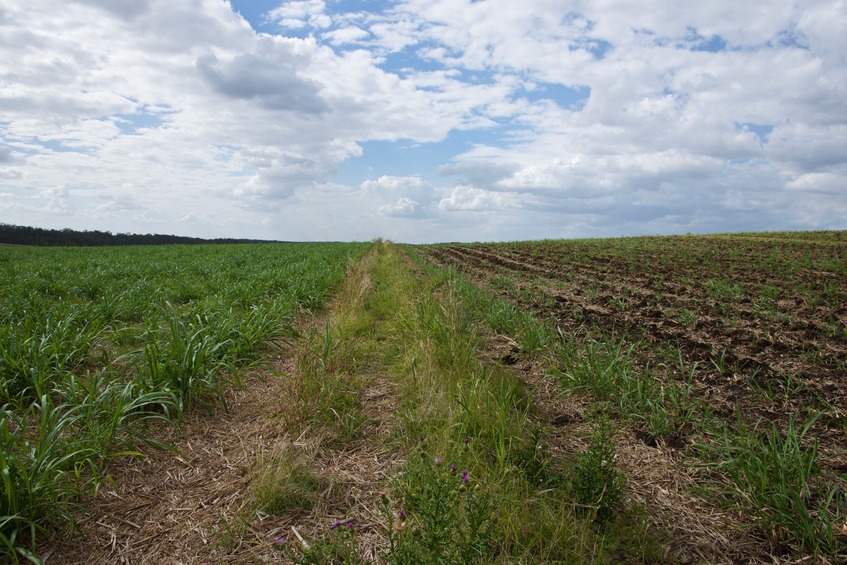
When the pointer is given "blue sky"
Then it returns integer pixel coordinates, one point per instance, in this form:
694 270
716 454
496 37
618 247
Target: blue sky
423 120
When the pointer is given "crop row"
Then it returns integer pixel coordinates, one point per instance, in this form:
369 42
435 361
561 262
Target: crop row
96 343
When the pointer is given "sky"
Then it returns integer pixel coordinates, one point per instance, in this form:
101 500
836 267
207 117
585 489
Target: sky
423 120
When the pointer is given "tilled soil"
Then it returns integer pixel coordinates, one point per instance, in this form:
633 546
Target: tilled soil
764 319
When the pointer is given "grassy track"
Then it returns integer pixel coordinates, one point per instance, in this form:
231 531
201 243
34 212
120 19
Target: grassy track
473 478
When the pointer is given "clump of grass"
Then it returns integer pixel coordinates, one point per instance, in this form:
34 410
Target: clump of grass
777 474
533 335
326 395
284 482
724 289
186 360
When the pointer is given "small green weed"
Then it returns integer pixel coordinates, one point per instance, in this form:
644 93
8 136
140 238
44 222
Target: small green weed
326 395
596 483
777 474
688 317
724 289
446 516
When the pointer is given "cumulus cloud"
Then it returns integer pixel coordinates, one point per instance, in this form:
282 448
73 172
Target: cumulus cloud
531 119
407 197
269 76
297 14
404 208
469 198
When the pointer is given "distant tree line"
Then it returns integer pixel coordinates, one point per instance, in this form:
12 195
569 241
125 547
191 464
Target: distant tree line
24 235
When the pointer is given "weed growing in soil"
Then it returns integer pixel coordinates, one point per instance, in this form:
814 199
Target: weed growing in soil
327 395
446 516
777 471
596 483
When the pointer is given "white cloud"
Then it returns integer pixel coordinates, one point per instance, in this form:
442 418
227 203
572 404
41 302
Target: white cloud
408 197
300 13
470 198
345 35
404 207
160 113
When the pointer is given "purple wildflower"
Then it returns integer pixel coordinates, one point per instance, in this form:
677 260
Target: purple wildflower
452 468
467 440
336 524
465 477
350 523
437 459
402 514
280 539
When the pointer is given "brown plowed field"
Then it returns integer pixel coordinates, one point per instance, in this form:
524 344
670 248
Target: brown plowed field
763 316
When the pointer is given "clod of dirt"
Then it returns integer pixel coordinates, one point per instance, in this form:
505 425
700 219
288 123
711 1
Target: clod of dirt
568 418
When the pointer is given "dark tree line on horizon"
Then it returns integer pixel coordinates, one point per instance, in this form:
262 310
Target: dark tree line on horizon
25 235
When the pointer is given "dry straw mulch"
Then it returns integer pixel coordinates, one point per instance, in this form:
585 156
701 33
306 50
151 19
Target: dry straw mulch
175 507
193 506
